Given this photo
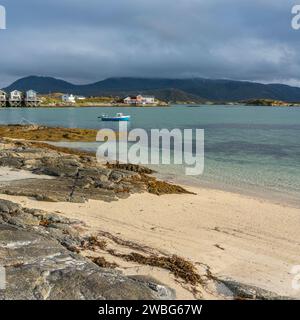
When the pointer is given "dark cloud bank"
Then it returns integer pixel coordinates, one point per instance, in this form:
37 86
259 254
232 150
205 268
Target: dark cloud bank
86 41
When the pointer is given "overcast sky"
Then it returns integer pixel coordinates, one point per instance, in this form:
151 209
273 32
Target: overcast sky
89 40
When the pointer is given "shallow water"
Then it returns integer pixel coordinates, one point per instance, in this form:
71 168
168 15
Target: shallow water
249 149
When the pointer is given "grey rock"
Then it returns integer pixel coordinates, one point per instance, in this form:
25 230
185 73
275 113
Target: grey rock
38 251
9 207
74 178
238 290
60 166
164 293
11 162
118 175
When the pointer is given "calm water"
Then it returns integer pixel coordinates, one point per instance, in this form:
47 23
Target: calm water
249 149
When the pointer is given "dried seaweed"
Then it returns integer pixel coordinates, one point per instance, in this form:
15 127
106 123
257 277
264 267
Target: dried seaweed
101 262
160 187
92 243
180 267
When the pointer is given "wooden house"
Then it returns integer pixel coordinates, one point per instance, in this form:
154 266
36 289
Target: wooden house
3 97
16 98
31 99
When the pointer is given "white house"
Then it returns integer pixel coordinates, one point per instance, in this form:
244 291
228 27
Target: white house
31 95
139 99
130 100
16 95
2 95
68 98
31 99
2 98
148 99
16 98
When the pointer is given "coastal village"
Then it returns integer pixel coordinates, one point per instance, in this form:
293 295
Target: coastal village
31 98
19 99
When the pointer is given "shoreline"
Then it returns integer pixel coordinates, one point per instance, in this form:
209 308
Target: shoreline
89 106
52 137
237 237
226 236
190 105
276 197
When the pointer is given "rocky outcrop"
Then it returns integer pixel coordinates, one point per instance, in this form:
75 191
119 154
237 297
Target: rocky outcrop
40 254
75 177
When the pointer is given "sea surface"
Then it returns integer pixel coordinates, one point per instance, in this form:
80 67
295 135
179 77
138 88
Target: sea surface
253 150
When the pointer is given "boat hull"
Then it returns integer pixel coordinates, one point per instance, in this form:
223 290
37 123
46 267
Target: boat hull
115 118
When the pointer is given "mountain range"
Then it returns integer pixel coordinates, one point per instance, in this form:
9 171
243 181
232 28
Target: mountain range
192 89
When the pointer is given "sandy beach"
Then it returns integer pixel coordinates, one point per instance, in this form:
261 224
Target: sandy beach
250 240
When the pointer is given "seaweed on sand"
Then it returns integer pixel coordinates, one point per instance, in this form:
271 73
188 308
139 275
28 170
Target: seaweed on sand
103 263
180 267
92 243
160 187
129 167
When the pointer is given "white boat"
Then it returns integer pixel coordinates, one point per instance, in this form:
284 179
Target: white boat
117 117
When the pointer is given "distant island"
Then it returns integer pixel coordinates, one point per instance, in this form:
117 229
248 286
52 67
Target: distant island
269 103
112 91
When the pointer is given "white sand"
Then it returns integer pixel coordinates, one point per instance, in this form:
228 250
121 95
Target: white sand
239 237
8 174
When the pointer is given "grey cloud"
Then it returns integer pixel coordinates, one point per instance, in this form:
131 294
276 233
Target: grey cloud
85 41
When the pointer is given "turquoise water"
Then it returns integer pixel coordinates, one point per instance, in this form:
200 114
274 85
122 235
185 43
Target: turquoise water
248 149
